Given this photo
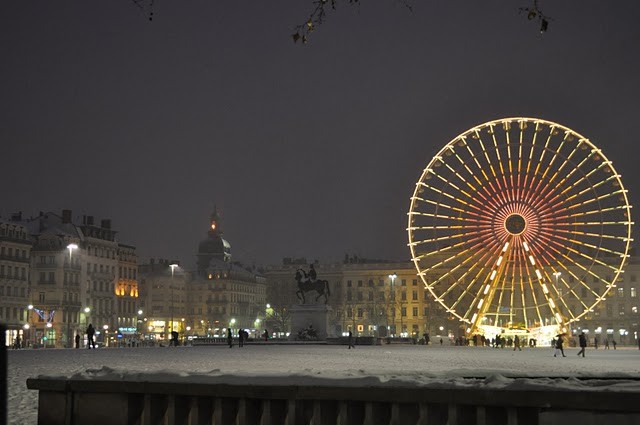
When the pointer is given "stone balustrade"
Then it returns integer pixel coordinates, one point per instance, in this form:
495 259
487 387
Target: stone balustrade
113 402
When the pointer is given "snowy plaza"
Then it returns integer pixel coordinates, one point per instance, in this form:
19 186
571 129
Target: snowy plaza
402 364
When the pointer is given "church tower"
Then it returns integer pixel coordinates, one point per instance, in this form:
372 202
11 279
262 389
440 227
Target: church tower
214 247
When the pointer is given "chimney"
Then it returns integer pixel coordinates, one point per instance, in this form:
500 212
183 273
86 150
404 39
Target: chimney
66 216
105 223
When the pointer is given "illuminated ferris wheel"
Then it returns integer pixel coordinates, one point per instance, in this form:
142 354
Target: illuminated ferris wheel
519 224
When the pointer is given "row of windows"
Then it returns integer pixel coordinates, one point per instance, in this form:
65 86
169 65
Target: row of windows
13 291
19 273
9 252
129 272
371 313
403 282
13 313
101 252
13 232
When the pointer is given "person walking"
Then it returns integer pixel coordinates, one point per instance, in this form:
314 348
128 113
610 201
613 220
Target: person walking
17 344
351 341
229 338
77 340
583 343
606 344
559 342
516 344
241 338
91 331
266 335
613 341
595 342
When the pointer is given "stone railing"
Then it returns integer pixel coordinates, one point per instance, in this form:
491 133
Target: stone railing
113 402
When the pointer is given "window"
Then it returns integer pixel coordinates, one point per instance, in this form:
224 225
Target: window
360 313
43 277
425 312
620 292
584 292
349 283
426 295
360 296
634 309
415 282
41 297
403 296
403 311
403 282
415 311
632 292
359 283
414 295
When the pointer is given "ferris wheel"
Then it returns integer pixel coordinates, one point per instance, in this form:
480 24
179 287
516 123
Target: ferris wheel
519 223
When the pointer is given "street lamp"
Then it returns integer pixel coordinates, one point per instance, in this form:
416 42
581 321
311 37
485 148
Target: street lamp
105 337
393 299
71 247
173 267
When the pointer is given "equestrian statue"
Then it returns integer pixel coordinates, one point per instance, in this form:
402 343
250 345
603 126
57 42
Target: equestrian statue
308 282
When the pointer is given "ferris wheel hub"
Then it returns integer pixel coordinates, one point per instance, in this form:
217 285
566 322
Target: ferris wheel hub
515 224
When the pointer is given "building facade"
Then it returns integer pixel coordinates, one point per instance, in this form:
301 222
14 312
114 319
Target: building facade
15 257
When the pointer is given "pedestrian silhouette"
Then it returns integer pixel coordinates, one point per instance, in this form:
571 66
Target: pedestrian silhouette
77 340
229 338
559 342
91 331
583 343
351 341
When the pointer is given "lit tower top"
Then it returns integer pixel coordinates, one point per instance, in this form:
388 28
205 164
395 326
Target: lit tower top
214 247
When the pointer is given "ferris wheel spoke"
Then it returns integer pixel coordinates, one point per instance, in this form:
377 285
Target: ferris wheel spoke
583 214
562 297
469 199
438 204
548 193
551 240
488 185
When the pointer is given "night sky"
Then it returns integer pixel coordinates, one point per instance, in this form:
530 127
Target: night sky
307 150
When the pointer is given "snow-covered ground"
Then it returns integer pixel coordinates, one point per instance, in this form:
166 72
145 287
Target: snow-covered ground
413 364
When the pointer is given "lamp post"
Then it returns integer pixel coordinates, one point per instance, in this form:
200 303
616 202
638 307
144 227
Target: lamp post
393 299
105 337
173 267
71 247
87 310
32 332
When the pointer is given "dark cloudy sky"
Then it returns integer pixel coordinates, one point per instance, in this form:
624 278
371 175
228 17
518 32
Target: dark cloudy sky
306 150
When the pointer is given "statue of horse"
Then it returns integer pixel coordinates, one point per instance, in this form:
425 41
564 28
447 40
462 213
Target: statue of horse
306 285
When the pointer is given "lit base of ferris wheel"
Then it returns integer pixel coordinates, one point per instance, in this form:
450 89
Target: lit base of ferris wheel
543 334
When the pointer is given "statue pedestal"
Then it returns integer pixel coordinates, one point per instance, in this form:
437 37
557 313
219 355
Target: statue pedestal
315 315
